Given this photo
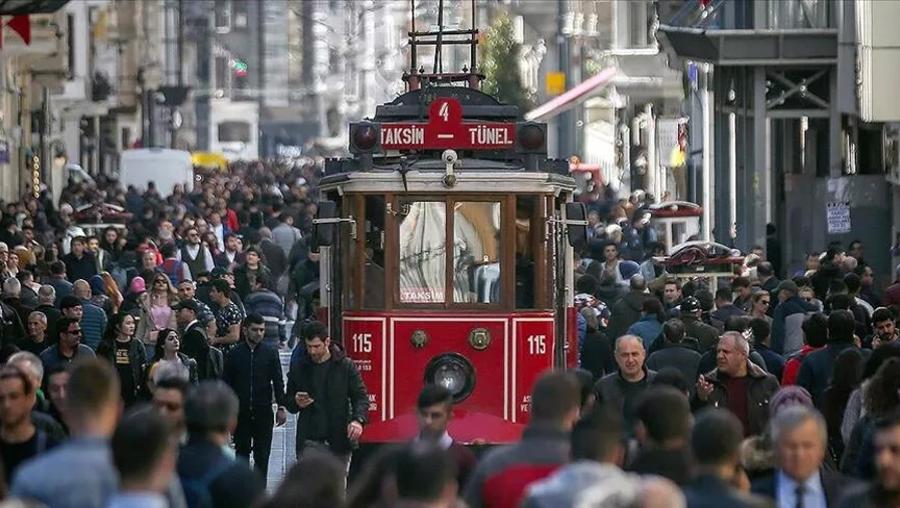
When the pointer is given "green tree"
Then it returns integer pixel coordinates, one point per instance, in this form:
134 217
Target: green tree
500 65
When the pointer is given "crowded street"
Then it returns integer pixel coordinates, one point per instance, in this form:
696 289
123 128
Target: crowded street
449 254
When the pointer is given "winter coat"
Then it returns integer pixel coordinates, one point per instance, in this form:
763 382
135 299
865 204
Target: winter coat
760 388
346 399
648 328
624 313
787 323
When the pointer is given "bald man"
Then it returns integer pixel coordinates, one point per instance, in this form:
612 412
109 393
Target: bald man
620 390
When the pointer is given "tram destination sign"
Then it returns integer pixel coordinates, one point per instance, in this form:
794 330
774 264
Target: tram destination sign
445 128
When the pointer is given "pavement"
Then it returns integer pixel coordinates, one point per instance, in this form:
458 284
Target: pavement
283 453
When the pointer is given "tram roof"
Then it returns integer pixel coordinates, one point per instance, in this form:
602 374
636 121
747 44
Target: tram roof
473 176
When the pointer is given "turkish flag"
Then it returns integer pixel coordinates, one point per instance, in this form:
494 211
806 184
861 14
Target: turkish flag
21 26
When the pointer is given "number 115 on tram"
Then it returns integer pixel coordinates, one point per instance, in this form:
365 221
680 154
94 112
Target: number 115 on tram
446 247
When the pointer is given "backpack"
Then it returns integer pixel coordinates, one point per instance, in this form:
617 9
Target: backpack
173 269
196 490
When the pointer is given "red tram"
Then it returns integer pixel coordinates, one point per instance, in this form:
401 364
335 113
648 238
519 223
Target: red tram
445 246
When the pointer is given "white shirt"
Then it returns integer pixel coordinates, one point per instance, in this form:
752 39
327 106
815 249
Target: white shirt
445 441
786 491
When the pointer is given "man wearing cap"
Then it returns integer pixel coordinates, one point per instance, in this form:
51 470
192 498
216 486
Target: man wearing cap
694 326
787 321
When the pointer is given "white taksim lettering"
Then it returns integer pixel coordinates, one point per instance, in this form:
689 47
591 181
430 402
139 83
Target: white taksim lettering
403 135
484 135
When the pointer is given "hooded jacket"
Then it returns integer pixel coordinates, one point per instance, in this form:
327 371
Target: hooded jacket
345 399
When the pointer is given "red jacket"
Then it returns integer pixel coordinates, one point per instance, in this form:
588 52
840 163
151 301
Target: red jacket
501 479
792 365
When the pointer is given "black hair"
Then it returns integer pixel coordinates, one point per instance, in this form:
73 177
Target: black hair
221 286
652 305
665 412
841 326
587 283
853 282
432 394
716 438
167 250
554 395
673 330
761 330
424 471
737 323
815 330
253 318
883 314
146 429
596 435
764 269
173 383
671 376
739 282
723 294
313 330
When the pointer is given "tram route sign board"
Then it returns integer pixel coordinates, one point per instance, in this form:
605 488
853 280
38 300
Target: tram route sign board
445 128
837 215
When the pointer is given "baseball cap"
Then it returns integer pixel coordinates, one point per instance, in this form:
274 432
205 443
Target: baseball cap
187 304
690 305
789 286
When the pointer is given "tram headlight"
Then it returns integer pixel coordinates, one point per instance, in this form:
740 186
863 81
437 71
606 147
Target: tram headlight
531 137
454 372
365 137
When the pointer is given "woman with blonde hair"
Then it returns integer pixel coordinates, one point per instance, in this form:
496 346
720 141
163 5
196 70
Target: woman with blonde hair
156 310
112 291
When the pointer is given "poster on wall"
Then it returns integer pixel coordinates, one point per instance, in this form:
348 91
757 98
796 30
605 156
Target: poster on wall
837 216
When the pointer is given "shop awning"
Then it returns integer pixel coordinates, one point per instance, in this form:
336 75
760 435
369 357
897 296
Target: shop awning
572 97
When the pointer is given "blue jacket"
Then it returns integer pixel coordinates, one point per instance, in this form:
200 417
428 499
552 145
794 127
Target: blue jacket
787 323
647 328
93 324
77 474
270 306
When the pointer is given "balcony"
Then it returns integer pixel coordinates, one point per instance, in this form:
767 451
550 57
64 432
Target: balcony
725 32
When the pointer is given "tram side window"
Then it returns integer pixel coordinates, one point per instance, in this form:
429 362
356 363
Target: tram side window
373 270
423 252
476 252
348 246
526 211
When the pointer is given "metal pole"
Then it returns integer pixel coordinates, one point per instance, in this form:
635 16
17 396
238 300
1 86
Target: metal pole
564 120
732 172
653 185
706 100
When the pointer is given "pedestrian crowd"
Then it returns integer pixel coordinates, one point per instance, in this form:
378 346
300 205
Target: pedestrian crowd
141 368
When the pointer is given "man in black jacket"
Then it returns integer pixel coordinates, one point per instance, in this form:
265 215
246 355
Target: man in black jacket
194 342
675 352
253 371
327 391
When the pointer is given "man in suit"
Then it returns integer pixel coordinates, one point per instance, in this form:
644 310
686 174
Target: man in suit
194 342
799 438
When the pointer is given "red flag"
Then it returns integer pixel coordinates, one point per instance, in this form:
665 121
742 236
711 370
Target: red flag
21 26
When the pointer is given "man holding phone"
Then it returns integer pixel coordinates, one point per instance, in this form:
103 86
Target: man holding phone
325 389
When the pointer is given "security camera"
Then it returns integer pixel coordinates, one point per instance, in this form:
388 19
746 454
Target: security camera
450 157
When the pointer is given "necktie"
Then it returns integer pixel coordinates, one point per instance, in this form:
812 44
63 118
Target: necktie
798 493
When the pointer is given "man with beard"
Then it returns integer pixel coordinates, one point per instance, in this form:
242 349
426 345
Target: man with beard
885 490
196 255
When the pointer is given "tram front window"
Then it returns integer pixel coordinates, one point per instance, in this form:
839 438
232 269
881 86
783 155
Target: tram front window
423 253
476 252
